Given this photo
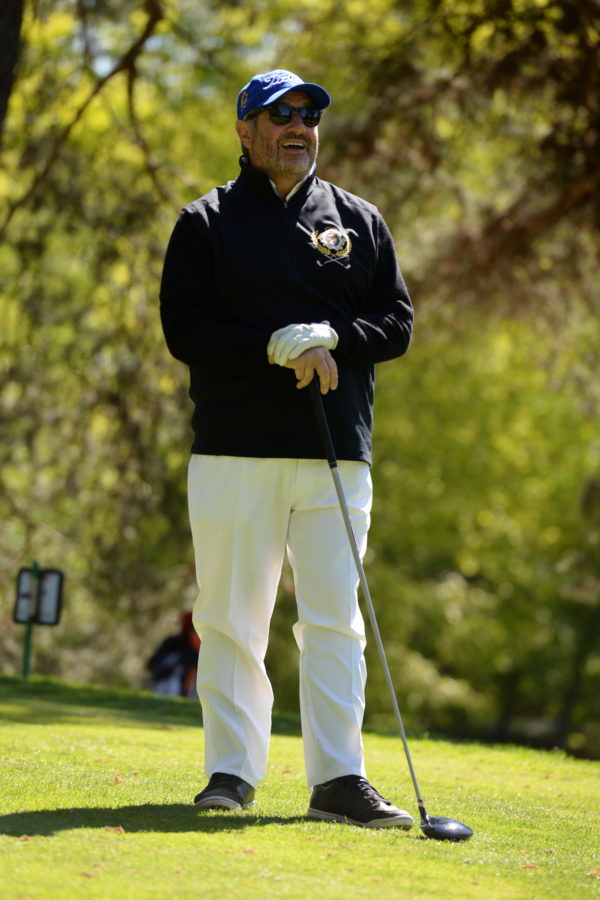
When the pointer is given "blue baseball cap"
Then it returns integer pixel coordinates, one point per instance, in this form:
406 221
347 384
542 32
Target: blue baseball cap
264 89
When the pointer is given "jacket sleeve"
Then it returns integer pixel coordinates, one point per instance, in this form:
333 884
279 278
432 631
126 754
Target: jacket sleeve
198 330
383 328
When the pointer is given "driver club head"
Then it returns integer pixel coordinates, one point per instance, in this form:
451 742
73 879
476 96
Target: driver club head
441 828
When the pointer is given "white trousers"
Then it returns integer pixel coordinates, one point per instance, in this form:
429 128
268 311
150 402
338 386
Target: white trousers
244 514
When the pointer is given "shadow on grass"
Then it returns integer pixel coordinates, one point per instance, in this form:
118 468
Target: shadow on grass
45 700
42 700
150 817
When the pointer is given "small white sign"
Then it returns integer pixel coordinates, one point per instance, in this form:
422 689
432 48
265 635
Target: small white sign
39 599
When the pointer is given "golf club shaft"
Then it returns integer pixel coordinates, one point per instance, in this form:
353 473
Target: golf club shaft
319 409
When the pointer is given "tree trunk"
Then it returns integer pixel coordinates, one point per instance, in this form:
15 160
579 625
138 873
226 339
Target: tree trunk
11 15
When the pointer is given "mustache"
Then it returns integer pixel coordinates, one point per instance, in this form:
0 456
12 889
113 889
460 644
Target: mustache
290 136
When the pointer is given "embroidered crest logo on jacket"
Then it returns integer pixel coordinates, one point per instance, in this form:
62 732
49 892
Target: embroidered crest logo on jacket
334 244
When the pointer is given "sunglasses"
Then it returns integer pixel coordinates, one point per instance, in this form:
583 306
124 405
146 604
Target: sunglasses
283 113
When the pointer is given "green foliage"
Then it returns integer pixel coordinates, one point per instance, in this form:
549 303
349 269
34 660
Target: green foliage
483 452
473 125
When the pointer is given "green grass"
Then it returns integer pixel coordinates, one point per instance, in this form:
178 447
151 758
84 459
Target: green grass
95 802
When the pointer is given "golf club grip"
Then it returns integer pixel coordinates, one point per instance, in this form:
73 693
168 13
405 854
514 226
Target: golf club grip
317 402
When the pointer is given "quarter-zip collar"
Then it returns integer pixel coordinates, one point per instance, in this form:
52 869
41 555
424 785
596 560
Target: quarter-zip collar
261 185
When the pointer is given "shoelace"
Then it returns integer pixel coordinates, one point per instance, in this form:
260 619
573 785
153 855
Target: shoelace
365 788
223 781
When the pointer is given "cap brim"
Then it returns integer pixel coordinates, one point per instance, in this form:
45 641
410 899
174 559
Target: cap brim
317 94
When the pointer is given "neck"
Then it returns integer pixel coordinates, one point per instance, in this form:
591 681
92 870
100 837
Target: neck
286 187
283 186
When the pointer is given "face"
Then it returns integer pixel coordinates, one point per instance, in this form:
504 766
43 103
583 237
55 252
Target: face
283 152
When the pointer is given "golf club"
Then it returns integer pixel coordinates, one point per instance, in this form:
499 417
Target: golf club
439 828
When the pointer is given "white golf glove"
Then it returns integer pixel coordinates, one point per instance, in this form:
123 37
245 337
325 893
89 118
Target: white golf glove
289 342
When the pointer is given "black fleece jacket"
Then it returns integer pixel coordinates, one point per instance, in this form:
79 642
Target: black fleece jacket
242 263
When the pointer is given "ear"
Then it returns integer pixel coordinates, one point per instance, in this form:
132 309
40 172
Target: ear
244 130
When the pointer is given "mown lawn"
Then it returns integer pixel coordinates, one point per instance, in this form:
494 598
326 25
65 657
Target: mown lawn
95 802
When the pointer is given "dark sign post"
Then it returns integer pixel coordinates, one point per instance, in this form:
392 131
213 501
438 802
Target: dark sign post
39 601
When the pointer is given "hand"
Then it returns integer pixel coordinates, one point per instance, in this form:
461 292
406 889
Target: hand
292 340
317 361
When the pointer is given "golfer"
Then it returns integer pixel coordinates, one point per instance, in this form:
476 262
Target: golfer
269 281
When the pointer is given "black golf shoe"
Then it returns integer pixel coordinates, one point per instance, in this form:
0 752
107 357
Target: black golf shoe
352 799
225 792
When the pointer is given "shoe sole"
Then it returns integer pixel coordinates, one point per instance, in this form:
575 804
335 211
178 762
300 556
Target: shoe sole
393 822
216 802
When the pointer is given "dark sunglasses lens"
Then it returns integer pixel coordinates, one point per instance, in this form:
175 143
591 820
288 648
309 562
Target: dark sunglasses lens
281 114
310 116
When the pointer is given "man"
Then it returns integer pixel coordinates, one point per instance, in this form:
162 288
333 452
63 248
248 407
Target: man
173 665
274 276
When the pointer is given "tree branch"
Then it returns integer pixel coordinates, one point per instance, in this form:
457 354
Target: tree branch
517 238
124 64
150 165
